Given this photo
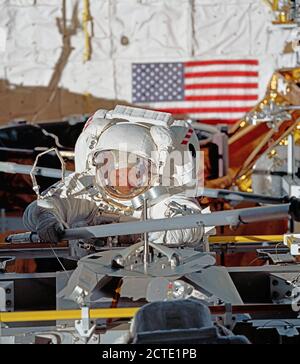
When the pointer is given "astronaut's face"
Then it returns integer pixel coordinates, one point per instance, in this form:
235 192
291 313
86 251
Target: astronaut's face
124 183
123 175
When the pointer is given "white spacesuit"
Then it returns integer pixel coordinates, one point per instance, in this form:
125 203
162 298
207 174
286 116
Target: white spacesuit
121 155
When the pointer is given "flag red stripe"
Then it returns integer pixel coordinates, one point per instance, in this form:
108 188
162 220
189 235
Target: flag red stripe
220 85
222 74
219 61
204 109
221 97
218 121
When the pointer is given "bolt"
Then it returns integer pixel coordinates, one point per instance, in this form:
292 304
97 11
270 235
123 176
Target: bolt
8 303
275 282
124 40
62 326
8 291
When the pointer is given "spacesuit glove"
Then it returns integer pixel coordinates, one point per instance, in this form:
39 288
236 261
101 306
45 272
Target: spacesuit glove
49 228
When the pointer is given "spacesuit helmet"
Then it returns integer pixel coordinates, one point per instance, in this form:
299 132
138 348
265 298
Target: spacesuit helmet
124 161
131 150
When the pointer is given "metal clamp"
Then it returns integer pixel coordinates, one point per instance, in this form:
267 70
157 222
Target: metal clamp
83 326
293 242
129 255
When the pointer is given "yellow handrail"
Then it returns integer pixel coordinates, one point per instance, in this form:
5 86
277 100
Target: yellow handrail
245 239
95 313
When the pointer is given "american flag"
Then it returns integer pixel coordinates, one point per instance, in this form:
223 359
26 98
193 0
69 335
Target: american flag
210 91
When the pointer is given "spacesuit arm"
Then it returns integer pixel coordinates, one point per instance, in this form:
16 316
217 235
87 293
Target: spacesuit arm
176 206
68 201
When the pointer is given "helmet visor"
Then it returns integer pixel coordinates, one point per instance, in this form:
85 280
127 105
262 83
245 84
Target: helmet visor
123 175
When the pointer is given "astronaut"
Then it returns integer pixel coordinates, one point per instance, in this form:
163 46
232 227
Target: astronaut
123 155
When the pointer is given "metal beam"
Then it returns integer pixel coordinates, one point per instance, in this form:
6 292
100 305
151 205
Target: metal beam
238 196
222 218
11 167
